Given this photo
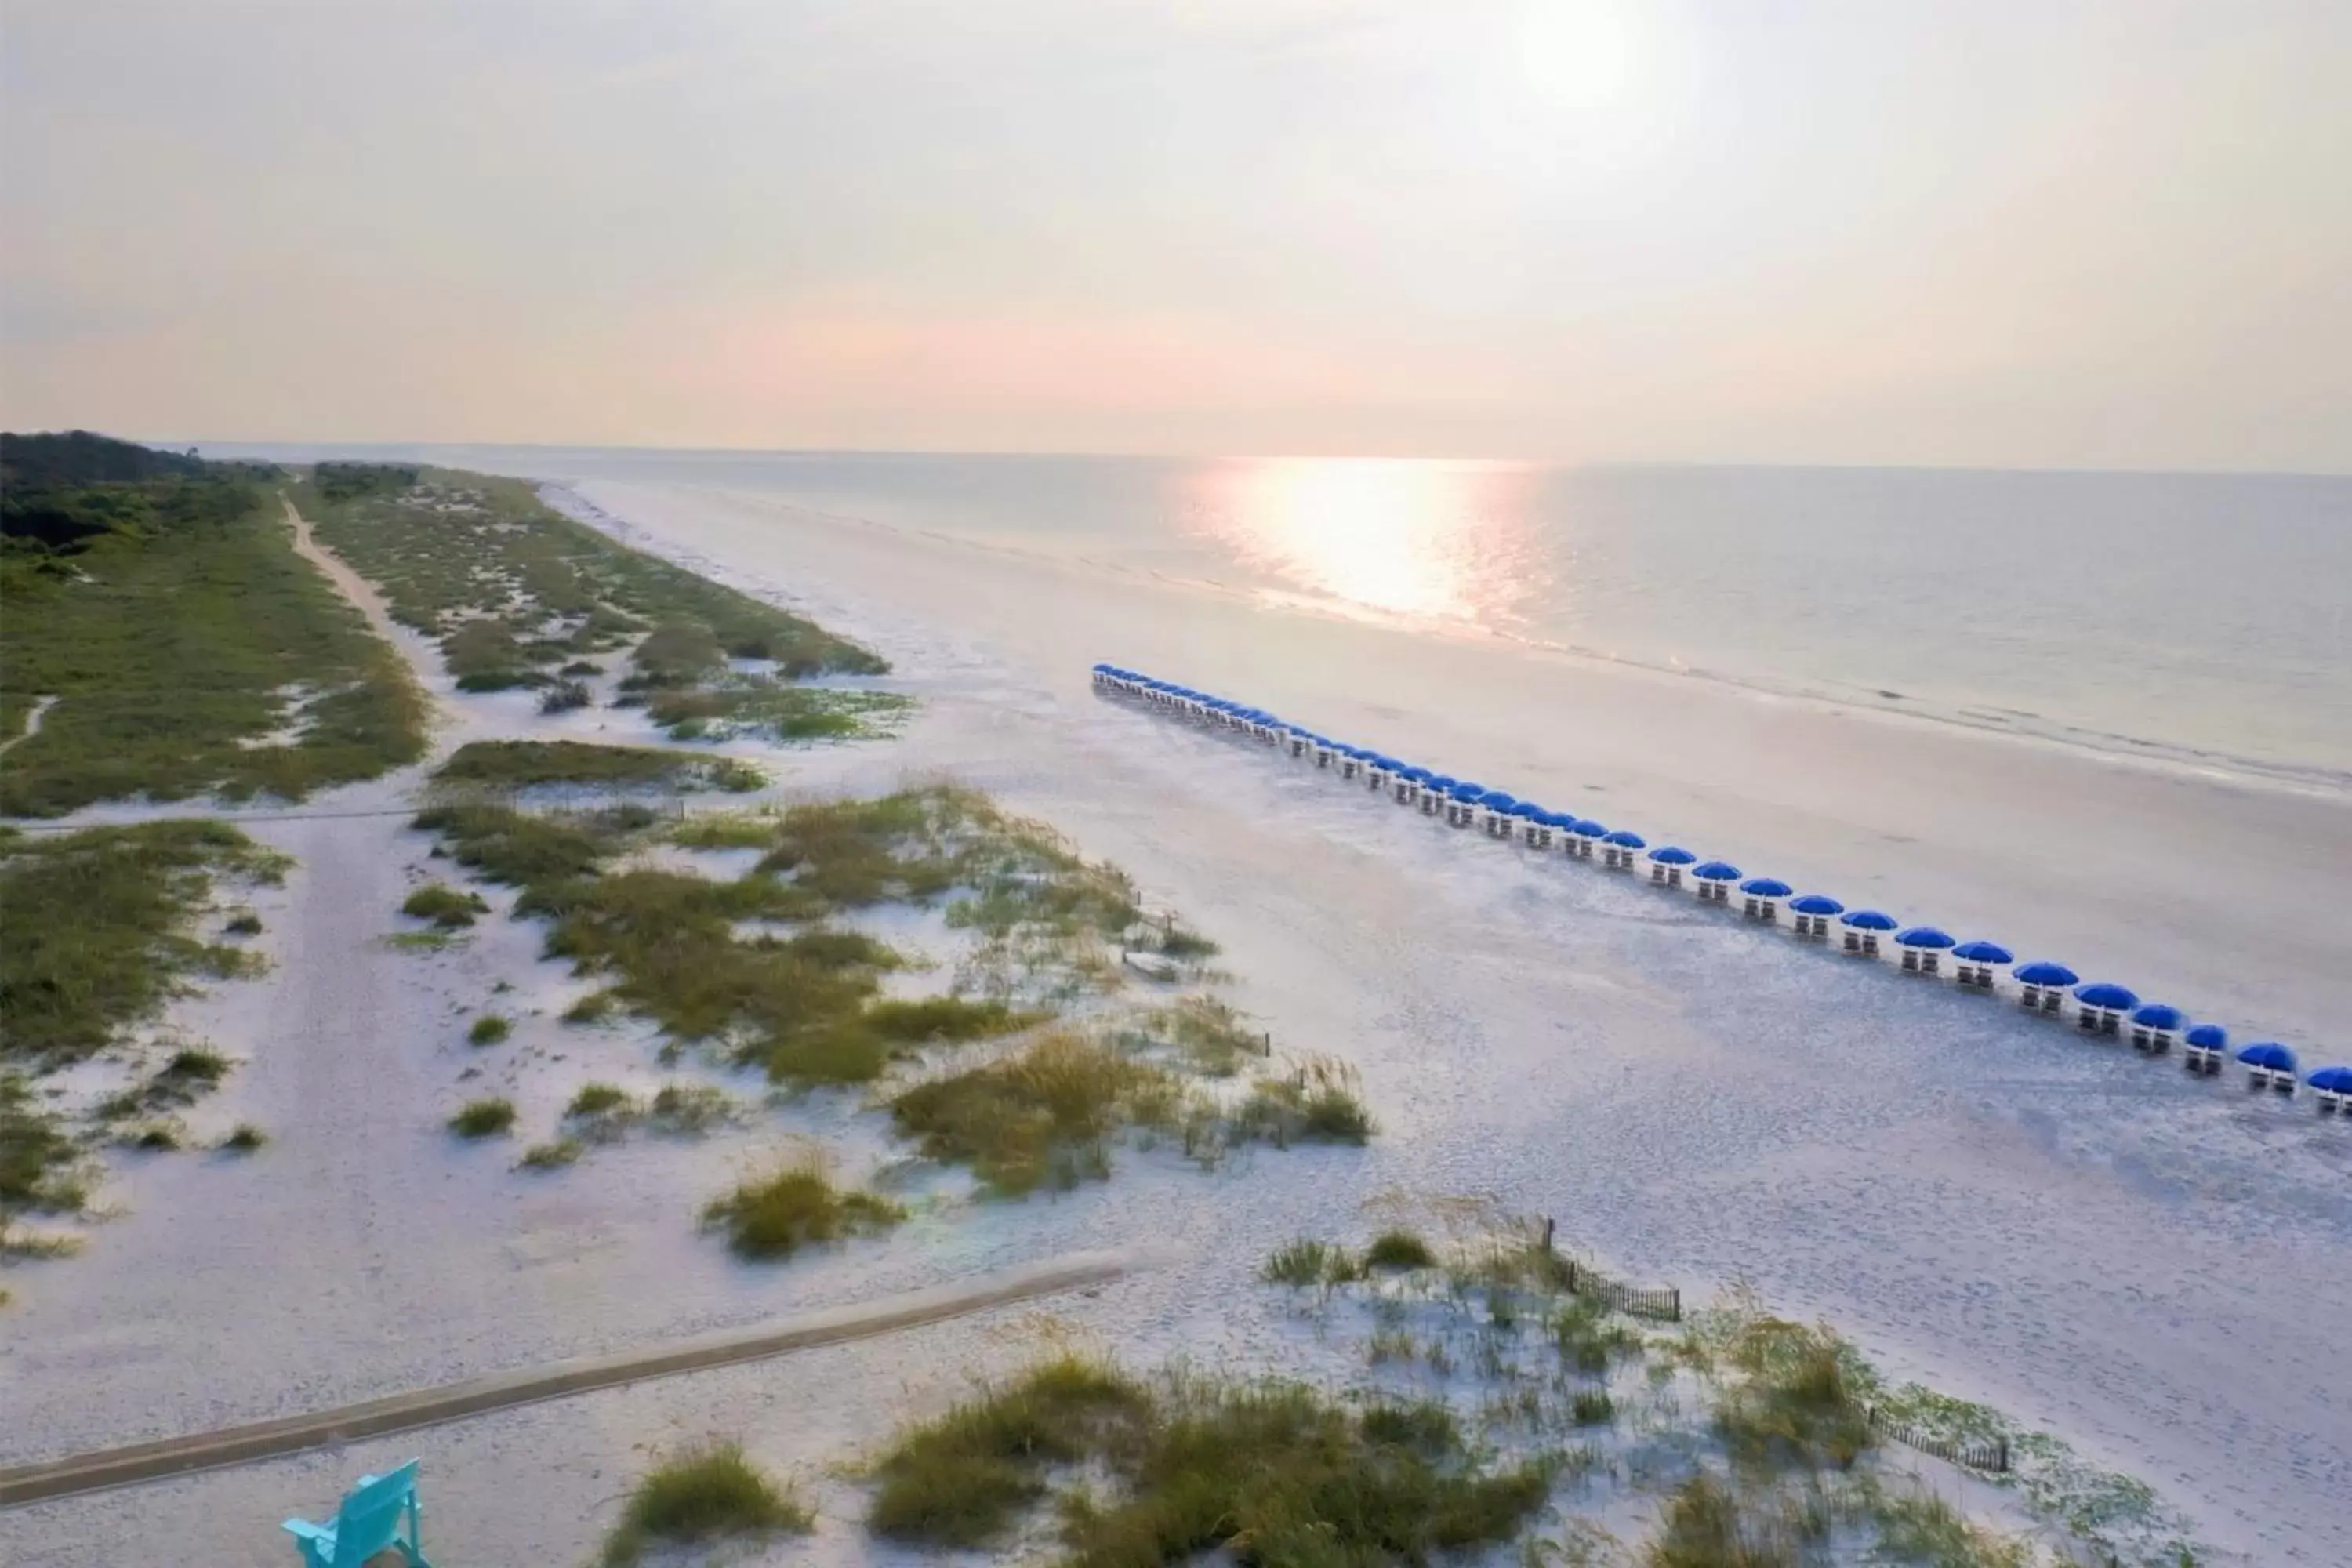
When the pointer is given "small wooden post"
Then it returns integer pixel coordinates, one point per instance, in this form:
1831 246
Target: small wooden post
1549 1230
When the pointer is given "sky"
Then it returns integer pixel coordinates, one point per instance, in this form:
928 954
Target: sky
1979 233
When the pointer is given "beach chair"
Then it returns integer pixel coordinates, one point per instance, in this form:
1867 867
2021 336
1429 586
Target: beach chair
379 1514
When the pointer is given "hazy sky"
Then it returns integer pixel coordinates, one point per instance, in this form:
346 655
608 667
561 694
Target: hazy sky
1978 232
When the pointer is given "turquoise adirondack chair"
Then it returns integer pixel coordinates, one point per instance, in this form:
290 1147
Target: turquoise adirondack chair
379 1512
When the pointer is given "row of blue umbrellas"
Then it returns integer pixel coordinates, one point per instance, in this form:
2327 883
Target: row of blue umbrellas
2268 1055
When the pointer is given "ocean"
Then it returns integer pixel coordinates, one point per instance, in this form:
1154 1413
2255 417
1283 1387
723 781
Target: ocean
2205 619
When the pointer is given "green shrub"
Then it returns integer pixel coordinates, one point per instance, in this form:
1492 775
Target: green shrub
245 923
483 1119
488 1030
702 1494
197 1064
771 1217
1592 1407
245 1137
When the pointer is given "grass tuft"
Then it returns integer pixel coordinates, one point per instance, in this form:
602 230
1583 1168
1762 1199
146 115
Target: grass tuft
1318 1103
768 1217
483 1119
1040 1116
596 1099
700 1495
1398 1249
444 907
553 1156
244 1139
1309 1261
488 1030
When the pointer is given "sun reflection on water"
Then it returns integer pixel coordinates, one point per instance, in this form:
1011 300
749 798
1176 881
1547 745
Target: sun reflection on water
1404 536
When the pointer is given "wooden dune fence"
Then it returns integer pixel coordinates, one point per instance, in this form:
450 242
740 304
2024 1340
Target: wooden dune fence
1988 1454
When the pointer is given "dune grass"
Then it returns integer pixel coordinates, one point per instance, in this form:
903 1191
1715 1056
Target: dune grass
804 1004
443 907
1795 1405
689 1108
524 764
1040 1117
488 1030
775 711
552 1155
512 590
702 1494
483 1119
1398 1249
1308 1262
39 1161
198 657
1272 1471
244 1139
97 936
1316 1102
773 1215
597 1099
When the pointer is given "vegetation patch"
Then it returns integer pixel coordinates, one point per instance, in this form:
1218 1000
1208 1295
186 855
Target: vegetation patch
701 1495
770 1216
689 1109
1273 1471
488 1030
40 1163
1040 1116
446 908
777 710
97 935
552 1155
526 764
519 595
483 1119
244 1139
1398 1249
158 600
1316 1102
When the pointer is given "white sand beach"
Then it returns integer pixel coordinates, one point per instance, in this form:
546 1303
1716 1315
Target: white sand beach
2146 1266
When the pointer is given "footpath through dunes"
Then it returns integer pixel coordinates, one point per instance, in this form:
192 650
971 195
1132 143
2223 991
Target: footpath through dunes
2093 1245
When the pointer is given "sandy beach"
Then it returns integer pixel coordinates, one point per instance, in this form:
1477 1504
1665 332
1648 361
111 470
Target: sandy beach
2143 1265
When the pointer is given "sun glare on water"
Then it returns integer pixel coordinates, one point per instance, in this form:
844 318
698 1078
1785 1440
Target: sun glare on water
1407 537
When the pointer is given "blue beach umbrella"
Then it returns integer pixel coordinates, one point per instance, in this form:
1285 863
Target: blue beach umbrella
1982 953
2209 1037
1585 827
1671 854
1716 871
1870 919
2045 973
1816 904
1496 800
2334 1080
1767 888
1468 791
1923 937
1626 838
2268 1054
2110 997
2157 1015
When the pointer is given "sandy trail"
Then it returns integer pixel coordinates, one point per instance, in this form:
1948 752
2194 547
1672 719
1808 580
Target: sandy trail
41 706
348 583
